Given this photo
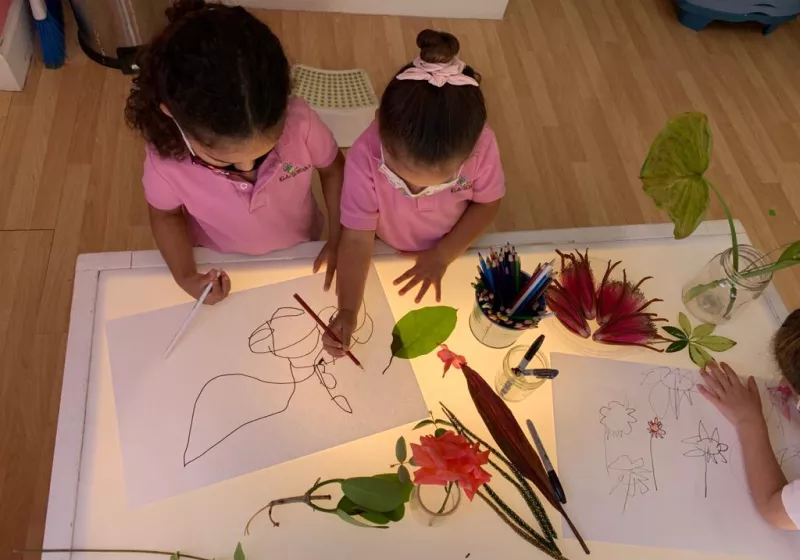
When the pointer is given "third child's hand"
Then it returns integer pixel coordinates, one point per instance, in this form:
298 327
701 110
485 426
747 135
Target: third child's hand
328 254
739 402
342 325
428 271
196 283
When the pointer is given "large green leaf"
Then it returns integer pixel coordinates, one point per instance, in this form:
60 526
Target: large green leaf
394 477
698 355
353 521
376 517
238 553
791 253
703 329
374 493
348 506
685 323
677 346
716 343
397 513
672 173
420 331
675 331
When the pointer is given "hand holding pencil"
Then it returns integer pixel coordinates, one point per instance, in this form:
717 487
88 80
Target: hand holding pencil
342 326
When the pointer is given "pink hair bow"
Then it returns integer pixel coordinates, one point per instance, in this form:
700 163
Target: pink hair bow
438 74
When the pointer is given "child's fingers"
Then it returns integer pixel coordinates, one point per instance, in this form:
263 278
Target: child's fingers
708 394
423 290
329 274
728 374
225 282
438 287
318 262
413 282
405 276
711 381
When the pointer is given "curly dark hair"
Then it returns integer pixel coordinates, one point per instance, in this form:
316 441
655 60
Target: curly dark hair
430 124
786 347
219 70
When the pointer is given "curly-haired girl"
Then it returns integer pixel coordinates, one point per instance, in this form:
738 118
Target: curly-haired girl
230 154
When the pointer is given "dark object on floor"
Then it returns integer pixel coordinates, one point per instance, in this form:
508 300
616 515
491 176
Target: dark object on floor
697 14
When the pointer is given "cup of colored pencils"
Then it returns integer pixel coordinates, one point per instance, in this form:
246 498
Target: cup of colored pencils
508 300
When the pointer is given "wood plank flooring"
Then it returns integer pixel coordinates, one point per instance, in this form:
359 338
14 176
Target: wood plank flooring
576 91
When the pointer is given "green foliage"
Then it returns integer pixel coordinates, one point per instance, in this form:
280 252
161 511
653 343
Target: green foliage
421 331
400 450
238 553
372 493
439 432
697 340
353 521
791 253
672 173
403 475
424 423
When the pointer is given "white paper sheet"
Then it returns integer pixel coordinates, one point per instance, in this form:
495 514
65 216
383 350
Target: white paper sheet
682 486
244 388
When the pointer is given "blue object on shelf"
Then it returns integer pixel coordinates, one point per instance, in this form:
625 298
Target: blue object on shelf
697 14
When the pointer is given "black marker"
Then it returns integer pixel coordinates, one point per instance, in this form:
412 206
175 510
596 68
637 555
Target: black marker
531 353
548 466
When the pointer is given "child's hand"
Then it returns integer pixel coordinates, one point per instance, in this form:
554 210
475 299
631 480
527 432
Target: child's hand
739 402
428 270
328 254
342 325
197 282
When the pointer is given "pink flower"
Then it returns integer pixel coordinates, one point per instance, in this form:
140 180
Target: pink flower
450 458
450 358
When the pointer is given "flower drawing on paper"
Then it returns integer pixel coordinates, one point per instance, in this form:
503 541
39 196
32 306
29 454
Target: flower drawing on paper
617 419
672 389
450 358
630 476
655 428
450 458
707 447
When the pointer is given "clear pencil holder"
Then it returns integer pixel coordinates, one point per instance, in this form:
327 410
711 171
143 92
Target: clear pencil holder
512 386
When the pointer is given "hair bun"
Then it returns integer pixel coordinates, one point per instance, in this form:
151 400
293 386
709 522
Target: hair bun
179 9
437 46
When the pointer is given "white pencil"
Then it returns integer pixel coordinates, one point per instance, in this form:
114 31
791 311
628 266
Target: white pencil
189 318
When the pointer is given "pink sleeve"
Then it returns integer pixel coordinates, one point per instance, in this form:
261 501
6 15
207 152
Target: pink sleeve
490 182
359 207
320 141
158 191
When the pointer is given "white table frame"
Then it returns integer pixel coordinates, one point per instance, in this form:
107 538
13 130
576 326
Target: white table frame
63 499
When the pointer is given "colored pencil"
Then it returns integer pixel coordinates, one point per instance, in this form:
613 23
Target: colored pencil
189 318
326 329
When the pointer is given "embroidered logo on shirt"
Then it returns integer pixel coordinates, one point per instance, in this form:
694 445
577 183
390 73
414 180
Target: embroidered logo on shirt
462 184
292 171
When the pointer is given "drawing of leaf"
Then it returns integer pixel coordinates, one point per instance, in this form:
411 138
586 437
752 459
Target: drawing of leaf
698 355
238 553
677 346
676 332
716 343
353 521
702 330
376 494
695 453
421 331
685 324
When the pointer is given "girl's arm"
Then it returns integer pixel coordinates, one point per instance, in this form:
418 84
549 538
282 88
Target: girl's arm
431 265
331 179
171 232
740 403
355 254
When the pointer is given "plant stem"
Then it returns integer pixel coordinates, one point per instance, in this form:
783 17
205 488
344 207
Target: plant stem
107 551
306 498
449 488
734 242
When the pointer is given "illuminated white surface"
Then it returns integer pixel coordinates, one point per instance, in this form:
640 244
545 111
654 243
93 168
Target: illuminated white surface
88 488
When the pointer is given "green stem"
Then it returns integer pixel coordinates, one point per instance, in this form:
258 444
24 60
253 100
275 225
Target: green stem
449 488
702 288
108 551
316 487
734 242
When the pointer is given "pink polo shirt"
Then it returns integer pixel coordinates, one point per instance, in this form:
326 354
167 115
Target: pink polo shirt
234 216
371 202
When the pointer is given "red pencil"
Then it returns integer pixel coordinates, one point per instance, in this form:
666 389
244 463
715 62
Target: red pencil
327 330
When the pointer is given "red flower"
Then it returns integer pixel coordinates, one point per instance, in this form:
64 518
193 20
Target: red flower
450 458
577 279
450 358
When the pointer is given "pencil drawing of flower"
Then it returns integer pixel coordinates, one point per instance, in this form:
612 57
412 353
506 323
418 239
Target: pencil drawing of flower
708 447
617 419
631 476
655 428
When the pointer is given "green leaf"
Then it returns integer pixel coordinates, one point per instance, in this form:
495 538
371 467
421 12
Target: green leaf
396 514
238 553
420 331
423 424
439 432
175 556
400 450
374 493
698 355
412 462
675 331
791 253
716 343
376 517
443 423
685 323
353 521
406 488
672 173
702 330
346 505
677 346
403 475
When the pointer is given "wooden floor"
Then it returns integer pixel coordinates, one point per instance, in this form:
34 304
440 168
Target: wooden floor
576 91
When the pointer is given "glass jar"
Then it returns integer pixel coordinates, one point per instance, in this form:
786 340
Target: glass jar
433 505
512 386
718 291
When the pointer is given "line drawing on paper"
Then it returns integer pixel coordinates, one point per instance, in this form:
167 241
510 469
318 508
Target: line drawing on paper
304 357
672 388
630 476
617 419
709 448
787 455
656 430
